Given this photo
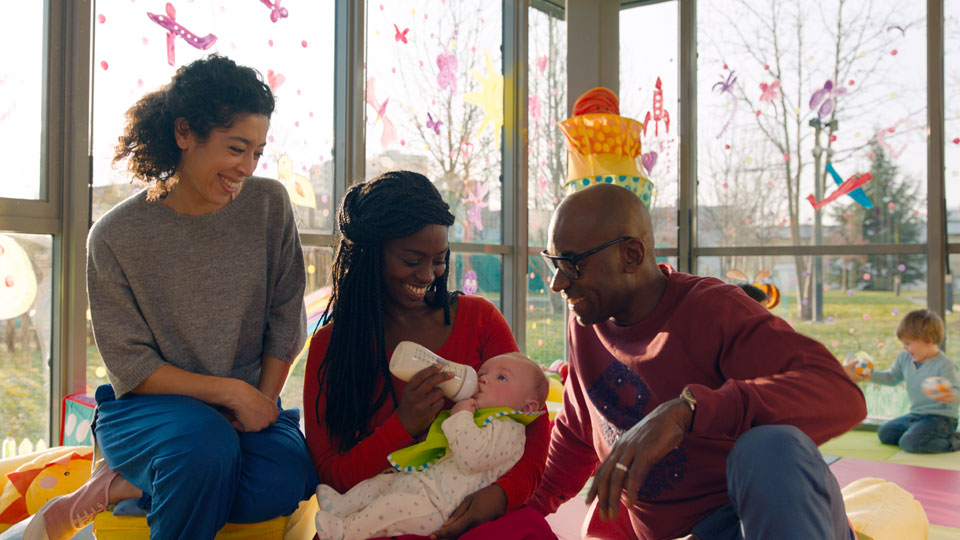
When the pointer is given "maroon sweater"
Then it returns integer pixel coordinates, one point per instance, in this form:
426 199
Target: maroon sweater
746 368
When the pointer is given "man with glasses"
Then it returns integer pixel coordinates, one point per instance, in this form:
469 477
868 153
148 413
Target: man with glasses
694 408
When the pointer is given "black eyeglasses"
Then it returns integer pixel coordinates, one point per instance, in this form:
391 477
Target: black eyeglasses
570 265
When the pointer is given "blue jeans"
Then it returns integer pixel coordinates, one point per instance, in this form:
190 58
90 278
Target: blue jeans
779 487
197 471
921 433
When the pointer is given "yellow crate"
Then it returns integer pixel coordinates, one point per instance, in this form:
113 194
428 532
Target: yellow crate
107 526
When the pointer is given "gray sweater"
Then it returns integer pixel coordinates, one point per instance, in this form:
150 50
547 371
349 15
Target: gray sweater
209 294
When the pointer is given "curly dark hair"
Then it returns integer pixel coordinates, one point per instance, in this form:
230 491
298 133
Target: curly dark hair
396 204
208 93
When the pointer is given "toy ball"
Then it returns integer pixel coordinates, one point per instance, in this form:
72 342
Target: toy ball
936 387
863 365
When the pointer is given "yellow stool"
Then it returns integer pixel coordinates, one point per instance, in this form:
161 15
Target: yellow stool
107 526
297 526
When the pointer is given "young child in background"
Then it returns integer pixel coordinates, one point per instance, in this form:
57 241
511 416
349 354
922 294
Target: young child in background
931 425
485 435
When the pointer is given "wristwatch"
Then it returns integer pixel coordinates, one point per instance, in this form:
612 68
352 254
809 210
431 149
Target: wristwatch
687 396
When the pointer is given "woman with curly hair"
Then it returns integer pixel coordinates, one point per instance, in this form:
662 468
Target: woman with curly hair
196 296
390 285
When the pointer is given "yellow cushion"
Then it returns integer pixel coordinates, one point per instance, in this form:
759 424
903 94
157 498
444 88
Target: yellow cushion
107 526
882 510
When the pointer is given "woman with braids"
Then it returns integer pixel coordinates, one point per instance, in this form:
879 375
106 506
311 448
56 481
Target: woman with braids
196 295
390 285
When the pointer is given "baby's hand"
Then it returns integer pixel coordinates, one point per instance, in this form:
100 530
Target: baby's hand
468 404
848 369
945 397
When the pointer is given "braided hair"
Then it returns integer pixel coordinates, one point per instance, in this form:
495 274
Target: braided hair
396 204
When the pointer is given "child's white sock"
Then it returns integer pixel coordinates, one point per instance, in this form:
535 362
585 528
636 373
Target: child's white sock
329 526
328 499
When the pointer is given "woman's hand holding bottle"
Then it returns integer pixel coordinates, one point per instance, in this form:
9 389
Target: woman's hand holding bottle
421 400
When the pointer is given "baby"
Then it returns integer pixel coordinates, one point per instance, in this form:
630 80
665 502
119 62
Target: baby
485 435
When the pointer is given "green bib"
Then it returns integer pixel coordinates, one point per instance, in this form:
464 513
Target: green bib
421 455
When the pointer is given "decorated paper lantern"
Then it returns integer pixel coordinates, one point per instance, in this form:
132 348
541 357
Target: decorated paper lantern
603 147
935 387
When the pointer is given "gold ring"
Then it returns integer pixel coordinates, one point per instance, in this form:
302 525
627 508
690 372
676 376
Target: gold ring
621 466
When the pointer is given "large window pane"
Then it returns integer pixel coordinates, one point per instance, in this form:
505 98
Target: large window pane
786 89
26 267
546 315
546 105
952 318
477 273
434 94
546 175
649 93
317 261
292 48
21 95
951 99
863 300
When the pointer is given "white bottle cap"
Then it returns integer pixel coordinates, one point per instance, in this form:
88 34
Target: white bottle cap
469 386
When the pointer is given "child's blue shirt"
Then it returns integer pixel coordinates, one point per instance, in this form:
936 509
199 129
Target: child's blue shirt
904 369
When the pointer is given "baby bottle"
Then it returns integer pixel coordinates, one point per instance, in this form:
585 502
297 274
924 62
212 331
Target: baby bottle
409 358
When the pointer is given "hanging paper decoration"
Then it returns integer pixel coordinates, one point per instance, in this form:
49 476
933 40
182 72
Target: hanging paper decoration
169 22
857 194
389 134
276 12
298 186
490 98
825 98
658 112
18 282
845 188
602 146
726 87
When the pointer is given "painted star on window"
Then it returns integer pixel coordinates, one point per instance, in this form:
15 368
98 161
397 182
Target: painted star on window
490 97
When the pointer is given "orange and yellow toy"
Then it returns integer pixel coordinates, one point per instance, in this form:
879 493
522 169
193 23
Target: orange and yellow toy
603 147
33 480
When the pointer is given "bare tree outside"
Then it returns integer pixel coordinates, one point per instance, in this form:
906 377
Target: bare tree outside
437 59
795 86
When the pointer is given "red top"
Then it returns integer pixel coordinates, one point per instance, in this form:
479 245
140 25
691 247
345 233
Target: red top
479 333
745 366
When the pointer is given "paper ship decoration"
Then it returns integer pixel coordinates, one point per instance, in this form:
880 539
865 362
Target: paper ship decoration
603 147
